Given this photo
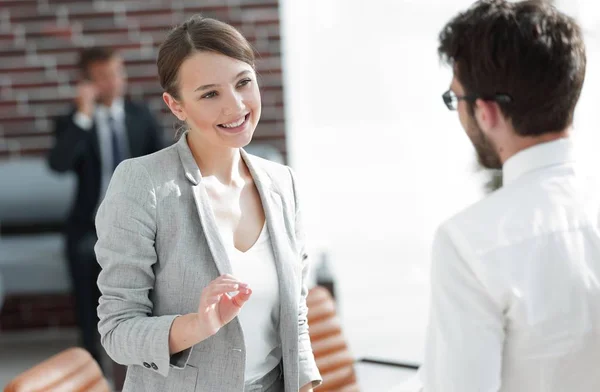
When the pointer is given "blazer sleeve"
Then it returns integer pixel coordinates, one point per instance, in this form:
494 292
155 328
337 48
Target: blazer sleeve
70 144
308 371
126 226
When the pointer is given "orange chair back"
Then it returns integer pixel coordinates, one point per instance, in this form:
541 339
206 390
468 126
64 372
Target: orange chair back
334 360
72 370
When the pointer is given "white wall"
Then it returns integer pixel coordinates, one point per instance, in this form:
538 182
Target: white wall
381 160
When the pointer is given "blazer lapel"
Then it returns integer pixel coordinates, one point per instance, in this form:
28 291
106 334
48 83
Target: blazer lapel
203 207
94 139
282 249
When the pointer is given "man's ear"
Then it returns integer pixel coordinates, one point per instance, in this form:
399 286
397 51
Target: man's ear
487 114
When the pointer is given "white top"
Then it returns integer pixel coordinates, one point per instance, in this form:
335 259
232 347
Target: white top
259 316
101 115
516 284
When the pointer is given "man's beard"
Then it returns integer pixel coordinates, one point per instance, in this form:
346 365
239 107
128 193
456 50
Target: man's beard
487 155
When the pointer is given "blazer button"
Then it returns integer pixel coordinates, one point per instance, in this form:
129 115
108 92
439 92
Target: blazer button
154 366
146 365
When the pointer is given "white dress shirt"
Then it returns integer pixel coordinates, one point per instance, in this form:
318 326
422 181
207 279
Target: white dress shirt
101 118
516 284
259 316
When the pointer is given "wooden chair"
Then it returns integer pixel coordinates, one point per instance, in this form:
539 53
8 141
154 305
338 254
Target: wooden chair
334 360
72 370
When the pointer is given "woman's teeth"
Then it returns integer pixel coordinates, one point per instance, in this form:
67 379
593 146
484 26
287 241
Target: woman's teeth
235 124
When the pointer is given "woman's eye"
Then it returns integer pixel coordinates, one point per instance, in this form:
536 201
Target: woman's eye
244 82
211 94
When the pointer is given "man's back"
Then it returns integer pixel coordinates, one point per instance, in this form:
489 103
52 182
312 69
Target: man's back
516 283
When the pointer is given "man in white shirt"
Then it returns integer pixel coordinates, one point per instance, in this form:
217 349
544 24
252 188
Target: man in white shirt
101 130
516 277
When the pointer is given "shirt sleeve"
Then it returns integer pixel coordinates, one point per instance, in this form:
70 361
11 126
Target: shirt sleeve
83 121
465 335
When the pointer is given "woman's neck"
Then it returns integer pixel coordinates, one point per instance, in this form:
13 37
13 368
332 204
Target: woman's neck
223 163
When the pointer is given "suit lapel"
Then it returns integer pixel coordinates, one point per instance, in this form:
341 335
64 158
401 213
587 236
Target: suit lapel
279 232
94 140
131 131
203 207
211 231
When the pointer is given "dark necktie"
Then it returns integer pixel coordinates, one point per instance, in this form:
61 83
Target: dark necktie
117 146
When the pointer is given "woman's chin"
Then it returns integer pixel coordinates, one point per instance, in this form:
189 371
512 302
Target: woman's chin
238 140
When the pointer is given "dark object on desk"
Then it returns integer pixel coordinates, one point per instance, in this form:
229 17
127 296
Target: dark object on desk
381 375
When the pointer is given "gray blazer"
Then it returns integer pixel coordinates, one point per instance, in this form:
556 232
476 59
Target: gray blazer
158 246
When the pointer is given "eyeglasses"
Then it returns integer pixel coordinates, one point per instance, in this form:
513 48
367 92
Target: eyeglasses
451 99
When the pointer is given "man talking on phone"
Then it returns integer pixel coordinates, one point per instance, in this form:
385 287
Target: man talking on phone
100 130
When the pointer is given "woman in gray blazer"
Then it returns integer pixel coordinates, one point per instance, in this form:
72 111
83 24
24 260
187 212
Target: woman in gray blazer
201 244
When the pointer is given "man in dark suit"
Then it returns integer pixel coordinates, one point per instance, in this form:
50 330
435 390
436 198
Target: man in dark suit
101 130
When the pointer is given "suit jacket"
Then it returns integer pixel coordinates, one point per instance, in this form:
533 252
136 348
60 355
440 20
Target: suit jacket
78 150
158 246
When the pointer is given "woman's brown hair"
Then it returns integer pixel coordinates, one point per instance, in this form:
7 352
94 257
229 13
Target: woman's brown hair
198 34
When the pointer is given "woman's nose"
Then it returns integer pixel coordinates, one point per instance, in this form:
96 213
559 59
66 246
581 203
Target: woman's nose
235 104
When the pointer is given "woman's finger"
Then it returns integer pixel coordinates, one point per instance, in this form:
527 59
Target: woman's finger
240 299
221 288
226 279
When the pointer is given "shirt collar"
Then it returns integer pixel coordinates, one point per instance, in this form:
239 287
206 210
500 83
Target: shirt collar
540 156
116 110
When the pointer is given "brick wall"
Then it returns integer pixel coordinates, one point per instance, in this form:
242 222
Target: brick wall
38 53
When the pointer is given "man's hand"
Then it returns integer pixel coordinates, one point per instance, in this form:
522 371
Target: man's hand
86 98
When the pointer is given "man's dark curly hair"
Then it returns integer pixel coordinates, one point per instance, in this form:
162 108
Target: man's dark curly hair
527 50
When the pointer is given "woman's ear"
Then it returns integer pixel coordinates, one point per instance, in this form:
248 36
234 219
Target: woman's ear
175 106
